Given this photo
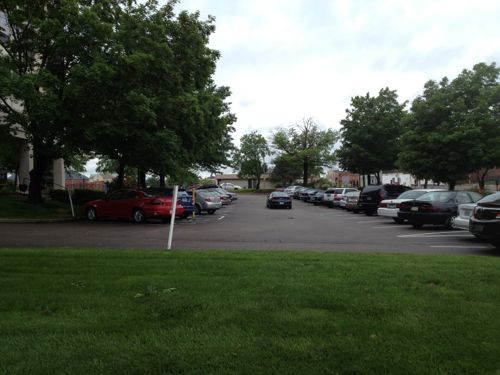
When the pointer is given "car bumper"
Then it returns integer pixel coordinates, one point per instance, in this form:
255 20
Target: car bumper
280 204
460 223
436 218
488 230
388 212
161 212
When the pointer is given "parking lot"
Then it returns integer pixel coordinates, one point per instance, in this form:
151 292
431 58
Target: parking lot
247 224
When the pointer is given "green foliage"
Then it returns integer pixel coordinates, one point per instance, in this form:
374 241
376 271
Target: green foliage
307 143
287 169
9 150
250 159
454 128
370 133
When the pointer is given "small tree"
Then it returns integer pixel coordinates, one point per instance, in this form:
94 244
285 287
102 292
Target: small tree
307 143
249 159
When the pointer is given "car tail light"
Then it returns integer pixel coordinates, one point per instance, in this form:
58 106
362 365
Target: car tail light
404 205
383 205
428 208
208 199
382 195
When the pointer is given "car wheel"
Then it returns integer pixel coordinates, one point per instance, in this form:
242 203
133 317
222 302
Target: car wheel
398 220
138 216
197 209
210 212
448 224
417 225
91 214
289 207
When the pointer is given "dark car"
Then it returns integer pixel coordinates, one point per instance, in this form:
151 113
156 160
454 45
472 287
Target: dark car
485 220
279 199
306 195
131 204
371 196
437 207
296 192
182 197
317 198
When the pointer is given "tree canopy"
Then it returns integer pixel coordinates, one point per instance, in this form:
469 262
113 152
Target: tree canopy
308 144
129 81
370 133
250 159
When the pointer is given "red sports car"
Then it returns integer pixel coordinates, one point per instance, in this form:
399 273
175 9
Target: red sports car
131 204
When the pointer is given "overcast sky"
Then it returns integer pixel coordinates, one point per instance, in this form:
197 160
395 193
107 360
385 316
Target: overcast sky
289 59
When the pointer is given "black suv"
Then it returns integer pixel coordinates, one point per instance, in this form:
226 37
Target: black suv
372 195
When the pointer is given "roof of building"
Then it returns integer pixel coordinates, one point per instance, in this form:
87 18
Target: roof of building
74 175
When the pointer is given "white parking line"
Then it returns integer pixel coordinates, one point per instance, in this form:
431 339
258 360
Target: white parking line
436 235
220 218
466 247
388 226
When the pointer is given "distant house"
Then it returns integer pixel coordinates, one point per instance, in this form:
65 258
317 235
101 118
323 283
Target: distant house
343 178
245 183
75 180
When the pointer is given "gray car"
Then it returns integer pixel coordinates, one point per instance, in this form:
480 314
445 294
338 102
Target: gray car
207 201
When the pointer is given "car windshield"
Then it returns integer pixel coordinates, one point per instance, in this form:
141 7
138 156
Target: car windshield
412 194
437 196
491 199
279 194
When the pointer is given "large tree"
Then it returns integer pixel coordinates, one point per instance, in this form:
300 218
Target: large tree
48 41
309 144
453 128
286 170
370 133
250 159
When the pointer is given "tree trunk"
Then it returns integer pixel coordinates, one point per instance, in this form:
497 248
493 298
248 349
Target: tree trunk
162 180
377 176
426 182
257 187
306 171
40 163
452 185
141 179
481 179
121 174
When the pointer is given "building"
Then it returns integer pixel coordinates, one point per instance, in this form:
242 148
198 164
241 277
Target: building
343 178
245 183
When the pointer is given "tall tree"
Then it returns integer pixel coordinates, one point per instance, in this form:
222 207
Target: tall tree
250 159
453 128
47 42
287 169
370 133
307 143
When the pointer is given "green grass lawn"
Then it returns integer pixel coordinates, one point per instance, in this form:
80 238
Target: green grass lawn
144 312
16 206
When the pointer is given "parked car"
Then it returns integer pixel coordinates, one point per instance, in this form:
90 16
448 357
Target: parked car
296 192
279 199
485 219
207 201
333 196
131 204
225 196
230 186
351 201
306 195
437 207
461 221
317 198
183 198
390 207
291 189
371 195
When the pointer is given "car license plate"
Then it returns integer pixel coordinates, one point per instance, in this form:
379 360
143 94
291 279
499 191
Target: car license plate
368 198
282 202
478 227
391 205
414 208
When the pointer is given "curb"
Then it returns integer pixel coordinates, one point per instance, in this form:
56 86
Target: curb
34 221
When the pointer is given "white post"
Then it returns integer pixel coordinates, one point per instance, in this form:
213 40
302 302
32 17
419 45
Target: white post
172 217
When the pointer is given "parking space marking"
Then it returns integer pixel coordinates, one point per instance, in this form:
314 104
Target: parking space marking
220 218
464 247
435 235
388 226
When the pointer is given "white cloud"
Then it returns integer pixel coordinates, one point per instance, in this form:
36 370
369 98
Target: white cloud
284 60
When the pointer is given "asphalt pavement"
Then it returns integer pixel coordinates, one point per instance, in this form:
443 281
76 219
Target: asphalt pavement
247 224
